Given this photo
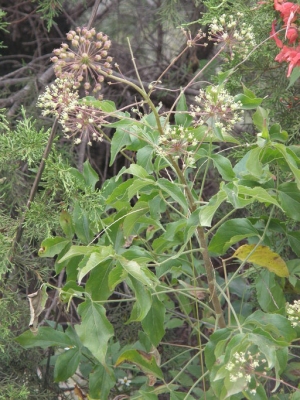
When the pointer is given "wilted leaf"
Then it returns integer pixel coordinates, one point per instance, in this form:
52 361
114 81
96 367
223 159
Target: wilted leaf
37 303
264 257
195 291
78 392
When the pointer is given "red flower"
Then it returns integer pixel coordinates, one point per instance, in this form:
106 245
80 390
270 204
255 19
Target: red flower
292 34
287 10
291 55
287 54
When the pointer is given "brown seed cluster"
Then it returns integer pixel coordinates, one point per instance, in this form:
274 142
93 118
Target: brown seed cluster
85 60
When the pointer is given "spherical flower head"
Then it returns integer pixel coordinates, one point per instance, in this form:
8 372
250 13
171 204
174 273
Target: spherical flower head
237 36
82 120
85 60
217 108
56 97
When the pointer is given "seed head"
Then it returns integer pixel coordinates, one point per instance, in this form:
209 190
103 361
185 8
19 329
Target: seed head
81 120
85 60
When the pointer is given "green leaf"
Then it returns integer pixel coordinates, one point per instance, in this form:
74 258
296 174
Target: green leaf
250 167
289 197
120 139
97 284
219 336
100 254
119 194
143 301
269 293
70 290
66 364
258 193
81 224
101 381
294 76
277 134
144 158
45 337
136 170
116 276
52 246
136 186
174 191
95 330
105 105
261 119
231 232
143 360
253 162
153 323
182 117
294 241
138 210
273 326
248 99
222 76
224 167
291 159
207 212
78 251
139 272
90 175
65 221
234 197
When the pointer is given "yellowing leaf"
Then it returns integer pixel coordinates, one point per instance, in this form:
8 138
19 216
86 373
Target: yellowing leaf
264 257
146 362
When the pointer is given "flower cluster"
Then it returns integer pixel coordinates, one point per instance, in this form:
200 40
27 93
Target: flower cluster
57 97
237 36
289 53
194 41
84 65
293 313
244 366
80 120
77 119
176 141
217 108
86 61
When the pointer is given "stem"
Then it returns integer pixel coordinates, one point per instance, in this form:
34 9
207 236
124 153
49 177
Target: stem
81 152
134 65
210 273
193 80
93 14
142 93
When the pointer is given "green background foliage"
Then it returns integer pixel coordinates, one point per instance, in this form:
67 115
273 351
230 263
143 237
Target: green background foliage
135 246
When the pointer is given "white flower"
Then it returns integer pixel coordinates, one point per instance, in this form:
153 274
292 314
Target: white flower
125 381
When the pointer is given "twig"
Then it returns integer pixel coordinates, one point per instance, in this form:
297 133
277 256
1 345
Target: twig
93 14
